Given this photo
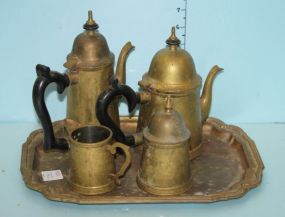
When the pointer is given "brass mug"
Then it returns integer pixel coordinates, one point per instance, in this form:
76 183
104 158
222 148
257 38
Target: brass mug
92 164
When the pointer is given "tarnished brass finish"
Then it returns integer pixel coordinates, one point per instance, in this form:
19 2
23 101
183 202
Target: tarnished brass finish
92 166
90 69
172 72
228 167
165 164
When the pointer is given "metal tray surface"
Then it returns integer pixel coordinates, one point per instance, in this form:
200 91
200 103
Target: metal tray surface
228 167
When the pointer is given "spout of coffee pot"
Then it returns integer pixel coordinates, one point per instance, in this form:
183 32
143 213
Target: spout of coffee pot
121 65
206 98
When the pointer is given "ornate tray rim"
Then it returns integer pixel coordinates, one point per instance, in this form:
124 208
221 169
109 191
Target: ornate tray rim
252 178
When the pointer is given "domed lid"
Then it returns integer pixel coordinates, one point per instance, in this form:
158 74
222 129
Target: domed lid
166 127
171 70
90 48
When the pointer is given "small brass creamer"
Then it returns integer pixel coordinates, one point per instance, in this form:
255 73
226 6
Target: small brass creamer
92 164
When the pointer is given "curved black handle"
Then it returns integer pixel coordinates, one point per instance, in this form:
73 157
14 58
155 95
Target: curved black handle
103 102
45 77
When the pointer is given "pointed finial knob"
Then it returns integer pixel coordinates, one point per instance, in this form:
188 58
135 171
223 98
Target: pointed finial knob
168 104
90 23
173 40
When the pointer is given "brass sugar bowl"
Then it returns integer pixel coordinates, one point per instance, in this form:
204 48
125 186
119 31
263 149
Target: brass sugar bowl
89 72
165 163
171 73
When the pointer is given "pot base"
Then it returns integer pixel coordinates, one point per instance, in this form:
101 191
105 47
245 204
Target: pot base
92 190
176 190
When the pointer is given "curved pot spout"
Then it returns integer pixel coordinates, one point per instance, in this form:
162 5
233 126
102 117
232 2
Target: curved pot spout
121 65
206 98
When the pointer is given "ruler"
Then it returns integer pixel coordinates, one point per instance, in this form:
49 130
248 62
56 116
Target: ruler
181 26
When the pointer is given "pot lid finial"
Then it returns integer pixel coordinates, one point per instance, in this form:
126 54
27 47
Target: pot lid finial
90 23
173 40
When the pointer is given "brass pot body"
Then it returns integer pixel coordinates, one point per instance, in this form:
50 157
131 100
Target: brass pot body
92 164
165 163
165 169
82 94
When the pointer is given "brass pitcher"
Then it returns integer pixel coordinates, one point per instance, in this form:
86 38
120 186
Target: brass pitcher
92 164
171 73
89 72
165 163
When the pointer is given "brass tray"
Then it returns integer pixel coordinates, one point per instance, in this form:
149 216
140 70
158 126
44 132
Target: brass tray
228 167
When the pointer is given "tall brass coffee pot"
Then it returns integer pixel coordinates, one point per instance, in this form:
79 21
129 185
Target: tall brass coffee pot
89 72
172 73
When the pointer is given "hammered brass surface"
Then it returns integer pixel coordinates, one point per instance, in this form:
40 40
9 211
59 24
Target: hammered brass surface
172 73
227 168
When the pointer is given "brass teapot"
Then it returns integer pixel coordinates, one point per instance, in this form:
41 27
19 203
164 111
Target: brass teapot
89 72
171 73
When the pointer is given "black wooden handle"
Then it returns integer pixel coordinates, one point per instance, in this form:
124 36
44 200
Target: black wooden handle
45 77
104 101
